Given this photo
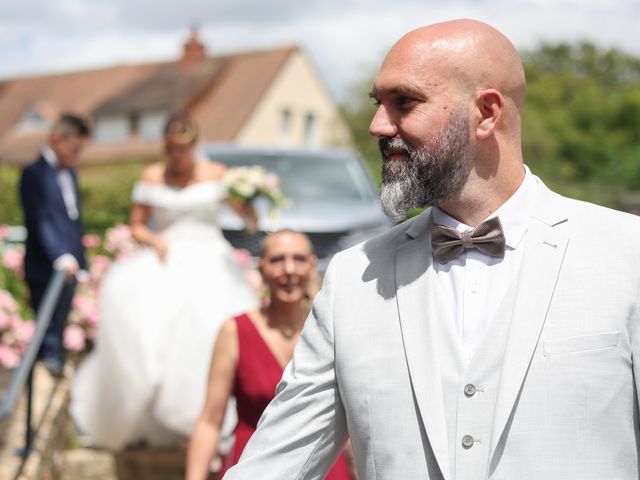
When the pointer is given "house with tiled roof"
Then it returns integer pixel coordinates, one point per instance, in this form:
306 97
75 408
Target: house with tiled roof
271 97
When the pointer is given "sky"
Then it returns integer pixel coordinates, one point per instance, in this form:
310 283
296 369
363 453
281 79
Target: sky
345 39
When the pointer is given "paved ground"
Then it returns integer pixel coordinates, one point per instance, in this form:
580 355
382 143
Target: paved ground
89 464
58 454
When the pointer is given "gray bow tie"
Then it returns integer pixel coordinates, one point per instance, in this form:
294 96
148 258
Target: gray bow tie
448 243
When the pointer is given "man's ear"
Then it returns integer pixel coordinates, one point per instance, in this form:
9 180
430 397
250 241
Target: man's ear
55 137
490 104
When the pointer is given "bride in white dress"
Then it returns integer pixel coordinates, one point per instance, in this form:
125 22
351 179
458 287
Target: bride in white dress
145 380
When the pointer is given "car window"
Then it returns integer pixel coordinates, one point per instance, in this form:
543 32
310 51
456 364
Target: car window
312 178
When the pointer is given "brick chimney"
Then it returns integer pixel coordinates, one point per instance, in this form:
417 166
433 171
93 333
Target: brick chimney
193 50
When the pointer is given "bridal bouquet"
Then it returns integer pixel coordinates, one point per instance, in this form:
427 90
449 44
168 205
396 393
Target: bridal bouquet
248 183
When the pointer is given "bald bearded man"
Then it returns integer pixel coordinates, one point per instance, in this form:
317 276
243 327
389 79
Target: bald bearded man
497 335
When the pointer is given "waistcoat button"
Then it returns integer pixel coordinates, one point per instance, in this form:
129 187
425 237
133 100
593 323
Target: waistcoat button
467 441
469 390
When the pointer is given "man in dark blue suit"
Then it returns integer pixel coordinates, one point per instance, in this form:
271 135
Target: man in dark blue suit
51 204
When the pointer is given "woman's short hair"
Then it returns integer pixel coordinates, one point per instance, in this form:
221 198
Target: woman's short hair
268 238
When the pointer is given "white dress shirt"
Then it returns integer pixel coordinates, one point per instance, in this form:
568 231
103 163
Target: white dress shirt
65 182
474 284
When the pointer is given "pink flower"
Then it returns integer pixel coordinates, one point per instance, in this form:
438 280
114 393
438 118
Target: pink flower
90 241
93 318
4 231
13 259
23 331
119 238
81 302
122 255
5 321
9 357
242 257
254 279
99 265
7 302
74 338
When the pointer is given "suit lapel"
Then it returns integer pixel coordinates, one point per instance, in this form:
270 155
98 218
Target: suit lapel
542 262
414 278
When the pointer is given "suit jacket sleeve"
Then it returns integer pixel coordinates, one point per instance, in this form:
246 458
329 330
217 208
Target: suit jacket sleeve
303 430
38 216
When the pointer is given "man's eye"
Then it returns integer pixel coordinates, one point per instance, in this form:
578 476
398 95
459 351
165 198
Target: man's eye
404 101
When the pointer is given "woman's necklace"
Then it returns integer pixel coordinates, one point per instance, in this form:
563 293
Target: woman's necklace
287 331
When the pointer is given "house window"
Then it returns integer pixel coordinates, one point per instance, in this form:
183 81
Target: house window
151 125
310 130
112 129
32 122
285 125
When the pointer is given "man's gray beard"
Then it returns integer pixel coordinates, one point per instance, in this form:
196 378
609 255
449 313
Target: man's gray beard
431 175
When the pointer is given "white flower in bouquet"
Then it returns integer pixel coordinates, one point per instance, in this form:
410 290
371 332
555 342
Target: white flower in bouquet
248 183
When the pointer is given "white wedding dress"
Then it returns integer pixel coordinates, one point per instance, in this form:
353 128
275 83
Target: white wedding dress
146 379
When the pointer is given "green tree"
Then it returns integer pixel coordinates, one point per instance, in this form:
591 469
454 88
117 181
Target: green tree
581 124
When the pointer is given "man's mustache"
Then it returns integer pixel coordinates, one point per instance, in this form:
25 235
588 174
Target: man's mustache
395 143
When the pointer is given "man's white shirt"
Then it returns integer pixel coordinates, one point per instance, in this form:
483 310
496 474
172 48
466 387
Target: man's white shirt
474 284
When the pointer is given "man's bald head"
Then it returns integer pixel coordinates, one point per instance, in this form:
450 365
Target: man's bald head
468 51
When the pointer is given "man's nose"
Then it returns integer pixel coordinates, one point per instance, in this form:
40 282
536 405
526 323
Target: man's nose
289 265
381 124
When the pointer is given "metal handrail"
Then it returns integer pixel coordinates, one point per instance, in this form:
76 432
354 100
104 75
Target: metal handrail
23 374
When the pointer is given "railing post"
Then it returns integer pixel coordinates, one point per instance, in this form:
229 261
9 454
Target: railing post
28 431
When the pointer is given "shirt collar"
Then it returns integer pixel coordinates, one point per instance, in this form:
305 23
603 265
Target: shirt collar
50 156
514 213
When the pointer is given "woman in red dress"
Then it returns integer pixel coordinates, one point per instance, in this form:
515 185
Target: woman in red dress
251 352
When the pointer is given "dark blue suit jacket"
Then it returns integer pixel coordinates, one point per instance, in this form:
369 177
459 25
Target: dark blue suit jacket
51 232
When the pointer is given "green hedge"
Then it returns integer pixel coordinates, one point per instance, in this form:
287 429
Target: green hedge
105 192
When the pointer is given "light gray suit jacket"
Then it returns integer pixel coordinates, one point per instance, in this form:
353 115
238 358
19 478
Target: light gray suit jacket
365 365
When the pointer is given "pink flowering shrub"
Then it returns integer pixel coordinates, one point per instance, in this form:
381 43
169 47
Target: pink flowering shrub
91 241
11 271
119 242
242 258
15 332
13 259
80 333
74 339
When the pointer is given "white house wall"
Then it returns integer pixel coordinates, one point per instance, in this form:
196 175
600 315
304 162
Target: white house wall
298 90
